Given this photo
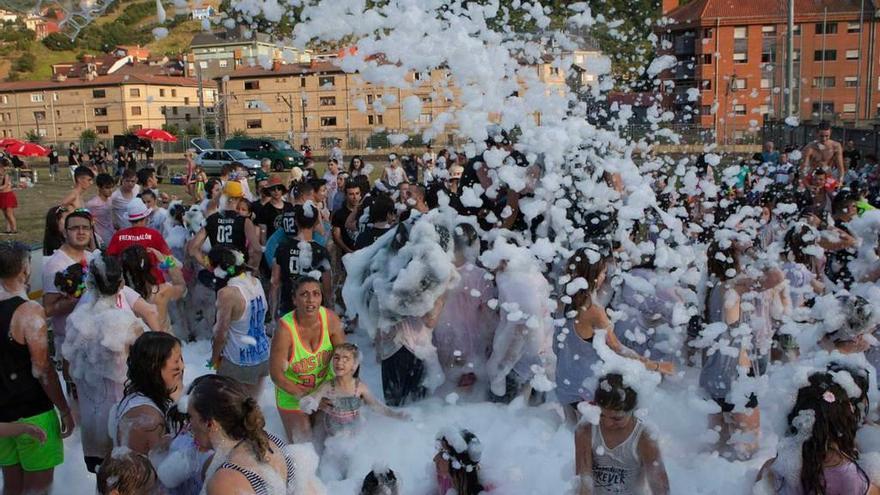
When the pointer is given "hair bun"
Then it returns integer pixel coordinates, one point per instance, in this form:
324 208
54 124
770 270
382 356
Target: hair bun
249 405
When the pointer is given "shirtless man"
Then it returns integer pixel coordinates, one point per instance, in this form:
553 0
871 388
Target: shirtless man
82 181
824 152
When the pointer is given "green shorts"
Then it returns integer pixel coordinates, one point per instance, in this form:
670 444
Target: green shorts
28 451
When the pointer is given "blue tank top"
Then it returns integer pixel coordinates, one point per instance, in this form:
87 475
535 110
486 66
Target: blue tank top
574 360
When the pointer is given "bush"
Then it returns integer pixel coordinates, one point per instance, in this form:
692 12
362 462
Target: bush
239 133
88 135
136 13
58 42
171 128
26 63
193 130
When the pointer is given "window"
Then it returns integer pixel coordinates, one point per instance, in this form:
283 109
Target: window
253 104
797 55
740 57
222 63
4 99
326 82
135 92
55 96
706 84
851 81
328 101
707 33
135 110
302 82
826 55
102 129
768 31
40 115
162 92
825 108
203 64
826 28
255 124
852 54
706 59
328 121
251 85
741 32
98 93
370 120
853 27
554 71
36 97
419 76
186 100
826 82
740 83
369 99
173 110
765 83
173 93
100 111
739 109
425 118
706 110
797 30
849 108
764 110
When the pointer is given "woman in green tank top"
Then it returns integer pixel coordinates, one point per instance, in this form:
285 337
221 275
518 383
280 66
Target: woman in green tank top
300 356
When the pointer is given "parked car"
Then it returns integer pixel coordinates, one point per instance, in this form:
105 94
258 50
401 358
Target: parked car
283 156
212 160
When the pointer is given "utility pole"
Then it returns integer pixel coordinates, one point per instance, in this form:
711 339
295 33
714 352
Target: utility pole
288 100
789 62
824 53
859 67
201 101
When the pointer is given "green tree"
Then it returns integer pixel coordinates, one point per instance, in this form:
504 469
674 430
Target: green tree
239 133
27 62
88 135
58 42
31 136
171 128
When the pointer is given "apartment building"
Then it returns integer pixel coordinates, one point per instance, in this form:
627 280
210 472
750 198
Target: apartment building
63 108
322 100
730 73
220 53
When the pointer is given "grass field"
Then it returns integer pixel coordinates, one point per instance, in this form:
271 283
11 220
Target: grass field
33 203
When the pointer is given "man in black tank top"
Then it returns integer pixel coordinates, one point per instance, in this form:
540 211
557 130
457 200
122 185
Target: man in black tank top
29 386
229 229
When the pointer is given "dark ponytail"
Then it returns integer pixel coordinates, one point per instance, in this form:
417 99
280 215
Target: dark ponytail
106 274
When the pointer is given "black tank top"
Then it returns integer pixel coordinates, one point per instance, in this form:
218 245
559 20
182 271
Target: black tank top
21 395
226 228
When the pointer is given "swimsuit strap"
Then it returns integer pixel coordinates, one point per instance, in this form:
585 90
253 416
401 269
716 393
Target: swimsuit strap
258 484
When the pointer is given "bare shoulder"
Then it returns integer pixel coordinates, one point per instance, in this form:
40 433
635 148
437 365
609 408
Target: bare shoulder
227 482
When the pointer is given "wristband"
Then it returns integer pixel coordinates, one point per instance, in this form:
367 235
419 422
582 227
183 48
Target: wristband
168 263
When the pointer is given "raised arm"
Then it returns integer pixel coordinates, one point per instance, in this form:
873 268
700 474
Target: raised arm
377 405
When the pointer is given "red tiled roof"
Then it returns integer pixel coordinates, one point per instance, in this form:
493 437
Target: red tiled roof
729 10
109 80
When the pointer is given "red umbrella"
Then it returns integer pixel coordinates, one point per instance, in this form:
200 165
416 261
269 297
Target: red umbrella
9 142
155 135
27 149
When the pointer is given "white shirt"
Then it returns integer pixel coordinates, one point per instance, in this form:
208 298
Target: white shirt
119 205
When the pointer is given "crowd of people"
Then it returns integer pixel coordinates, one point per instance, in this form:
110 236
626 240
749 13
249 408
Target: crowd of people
431 262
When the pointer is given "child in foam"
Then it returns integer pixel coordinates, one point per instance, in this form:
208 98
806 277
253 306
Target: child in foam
458 463
338 401
617 455
820 454
99 333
